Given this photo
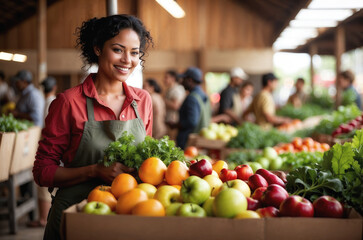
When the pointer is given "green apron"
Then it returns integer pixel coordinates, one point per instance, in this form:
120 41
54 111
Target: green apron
96 137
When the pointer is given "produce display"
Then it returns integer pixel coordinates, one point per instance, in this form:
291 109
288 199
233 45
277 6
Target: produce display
303 112
251 136
348 129
9 124
293 160
125 150
342 115
302 145
219 131
290 127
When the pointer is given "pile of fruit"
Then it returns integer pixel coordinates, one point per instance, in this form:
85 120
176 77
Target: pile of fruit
204 189
293 126
219 131
302 145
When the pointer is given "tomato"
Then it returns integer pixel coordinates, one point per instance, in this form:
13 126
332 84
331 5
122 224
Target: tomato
103 194
297 142
309 142
191 151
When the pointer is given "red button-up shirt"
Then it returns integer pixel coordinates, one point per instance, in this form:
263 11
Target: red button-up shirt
65 122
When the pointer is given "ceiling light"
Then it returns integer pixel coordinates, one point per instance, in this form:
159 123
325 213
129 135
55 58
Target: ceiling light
172 7
315 14
313 23
336 4
299 32
19 58
6 56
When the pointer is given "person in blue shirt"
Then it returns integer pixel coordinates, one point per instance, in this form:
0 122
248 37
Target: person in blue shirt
30 105
195 112
346 80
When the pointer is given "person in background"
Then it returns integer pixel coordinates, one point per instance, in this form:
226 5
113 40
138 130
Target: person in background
174 97
44 198
7 96
299 97
30 105
84 120
226 102
159 126
346 80
263 105
195 111
243 99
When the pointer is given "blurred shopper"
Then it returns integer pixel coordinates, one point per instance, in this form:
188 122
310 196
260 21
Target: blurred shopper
195 112
7 96
44 198
159 126
84 120
346 80
263 105
226 103
30 106
174 97
299 97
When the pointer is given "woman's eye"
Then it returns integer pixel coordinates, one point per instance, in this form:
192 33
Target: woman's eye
135 53
117 50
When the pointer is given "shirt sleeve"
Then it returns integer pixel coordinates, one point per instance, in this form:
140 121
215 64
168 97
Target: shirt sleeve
268 105
191 113
149 123
226 101
55 140
36 108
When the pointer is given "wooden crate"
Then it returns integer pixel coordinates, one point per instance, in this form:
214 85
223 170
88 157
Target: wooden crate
6 151
201 142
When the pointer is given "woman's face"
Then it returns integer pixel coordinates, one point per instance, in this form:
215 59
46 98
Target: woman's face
247 91
120 55
168 80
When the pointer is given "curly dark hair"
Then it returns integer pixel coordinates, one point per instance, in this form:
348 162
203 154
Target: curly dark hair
96 31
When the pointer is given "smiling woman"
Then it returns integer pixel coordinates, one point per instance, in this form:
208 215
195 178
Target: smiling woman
82 121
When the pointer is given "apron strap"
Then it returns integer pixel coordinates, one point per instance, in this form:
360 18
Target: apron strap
134 105
90 111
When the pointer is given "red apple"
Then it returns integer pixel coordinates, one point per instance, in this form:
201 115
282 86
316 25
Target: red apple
227 175
257 194
274 195
252 204
255 181
201 168
280 174
244 172
268 212
192 161
296 206
327 206
270 177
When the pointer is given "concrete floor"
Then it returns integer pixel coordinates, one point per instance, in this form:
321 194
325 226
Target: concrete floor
24 233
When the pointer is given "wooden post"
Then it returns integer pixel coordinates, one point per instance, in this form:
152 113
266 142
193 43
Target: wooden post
201 54
312 51
42 42
339 50
111 6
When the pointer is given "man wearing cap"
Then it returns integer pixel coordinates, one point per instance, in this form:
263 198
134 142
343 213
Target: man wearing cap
31 102
195 112
226 103
263 105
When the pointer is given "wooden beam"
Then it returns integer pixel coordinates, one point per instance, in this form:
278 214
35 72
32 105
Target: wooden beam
339 50
42 42
312 51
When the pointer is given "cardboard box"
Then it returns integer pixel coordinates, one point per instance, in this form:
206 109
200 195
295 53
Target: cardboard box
6 152
25 147
77 225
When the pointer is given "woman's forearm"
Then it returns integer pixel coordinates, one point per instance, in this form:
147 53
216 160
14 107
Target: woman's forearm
65 177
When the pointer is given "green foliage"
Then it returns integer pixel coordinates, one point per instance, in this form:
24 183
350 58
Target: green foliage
251 136
348 97
300 159
305 111
126 151
321 98
333 121
10 124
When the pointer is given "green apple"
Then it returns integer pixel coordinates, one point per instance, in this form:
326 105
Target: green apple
270 153
148 188
208 134
276 163
214 182
98 208
254 165
214 127
195 190
228 203
172 209
208 206
191 210
248 214
239 185
265 162
167 195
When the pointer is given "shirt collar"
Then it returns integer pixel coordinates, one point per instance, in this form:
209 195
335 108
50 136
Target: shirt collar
89 90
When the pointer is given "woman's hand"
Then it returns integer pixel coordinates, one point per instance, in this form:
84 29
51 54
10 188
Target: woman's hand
107 174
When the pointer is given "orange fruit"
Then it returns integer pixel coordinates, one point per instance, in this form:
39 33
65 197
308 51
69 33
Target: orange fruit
152 171
128 200
309 142
303 148
103 194
176 173
150 208
297 142
122 183
288 147
325 146
219 165
191 152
